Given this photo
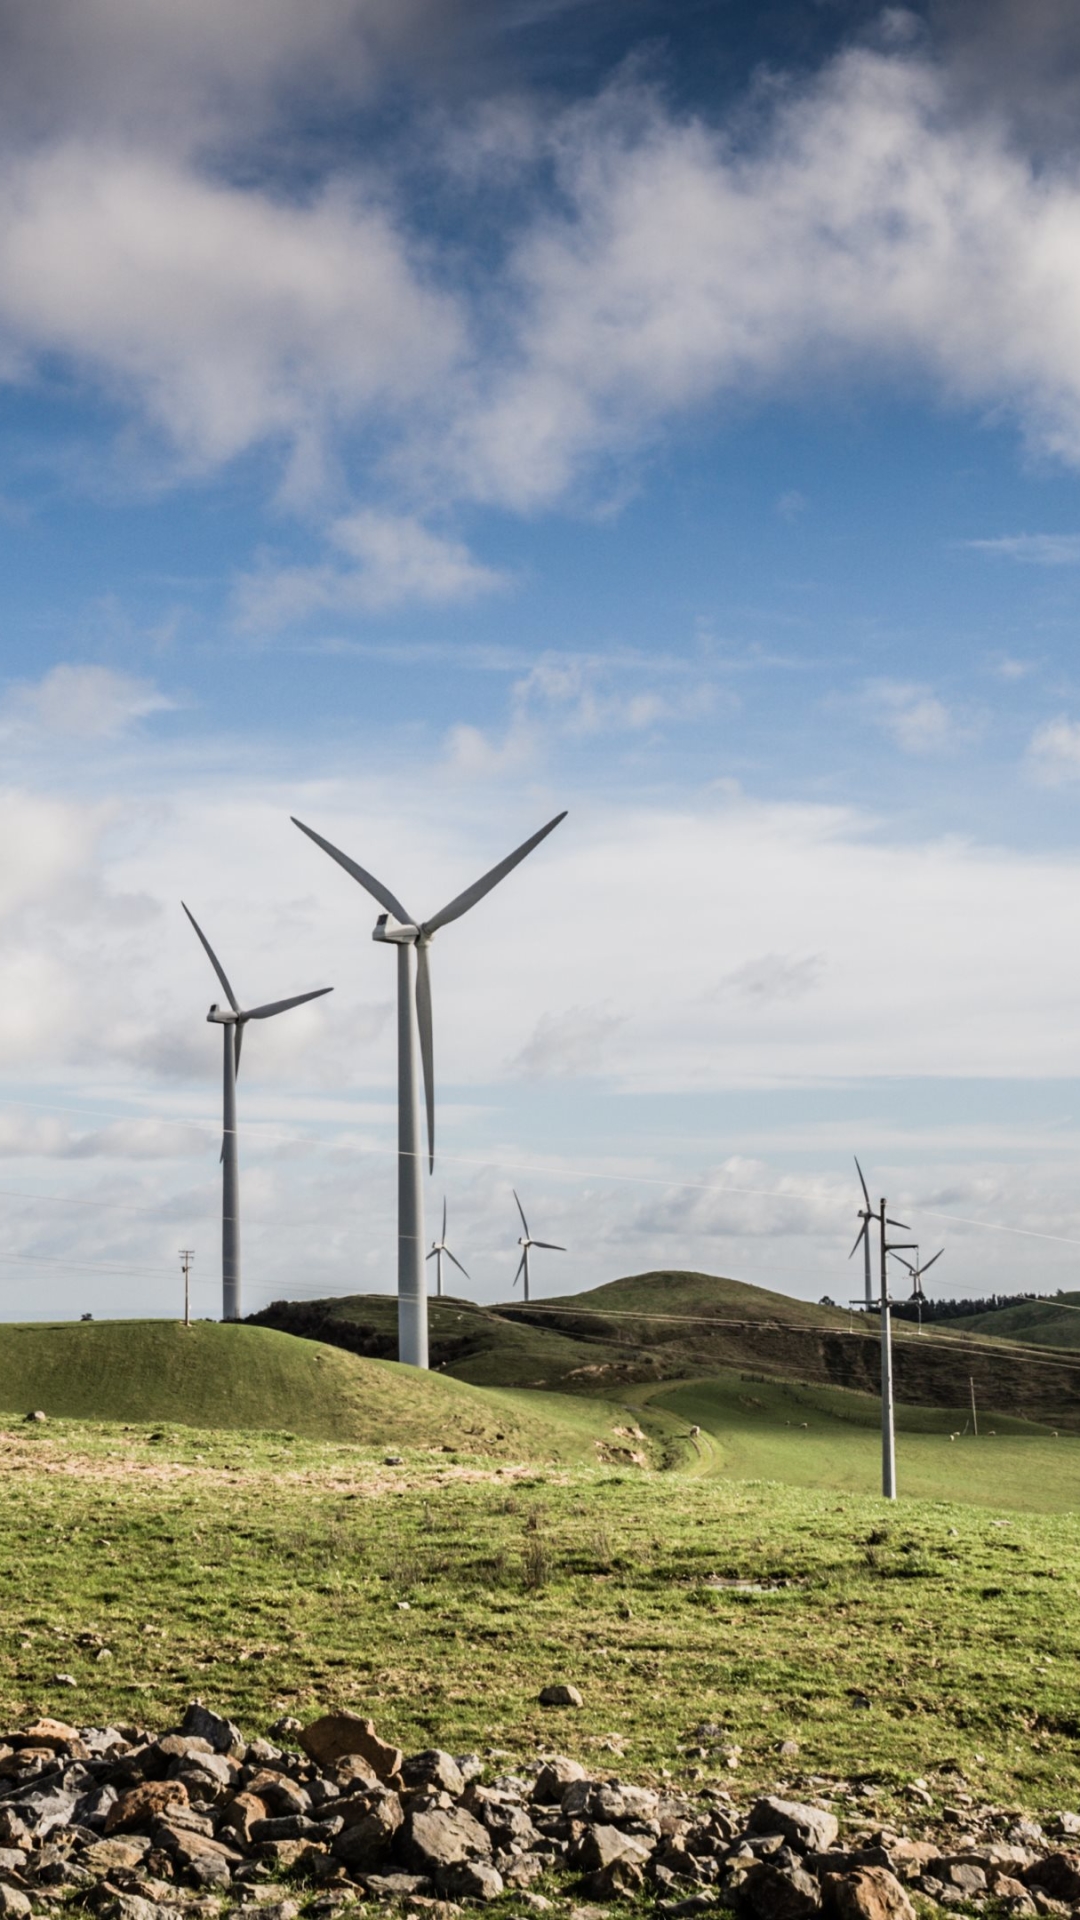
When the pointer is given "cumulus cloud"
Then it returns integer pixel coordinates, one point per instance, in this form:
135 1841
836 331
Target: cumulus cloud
913 717
1054 752
569 1044
392 560
1037 549
82 702
775 976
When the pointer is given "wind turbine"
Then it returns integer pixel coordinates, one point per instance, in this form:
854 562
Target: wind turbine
865 1215
526 1241
412 938
232 1022
916 1272
438 1248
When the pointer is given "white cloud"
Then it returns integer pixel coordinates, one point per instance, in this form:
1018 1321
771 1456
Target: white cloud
394 561
570 1044
1054 752
913 717
775 976
1038 549
88 702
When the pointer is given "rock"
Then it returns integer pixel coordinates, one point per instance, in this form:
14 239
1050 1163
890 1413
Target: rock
107 1856
43 1812
63 1680
1057 1875
221 1734
779 1892
14 1905
12 1859
142 1807
14 1831
622 1877
560 1695
131 1906
553 1779
336 1735
399 1886
470 1880
281 1794
869 1893
521 1869
241 1814
54 1734
808 1829
432 1841
600 1845
534 1902
293 1826
1067 1823
363 1843
434 1769
1013 1894
617 1804
970 1879
788 1749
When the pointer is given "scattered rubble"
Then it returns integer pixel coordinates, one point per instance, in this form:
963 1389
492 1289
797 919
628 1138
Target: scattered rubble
198 1820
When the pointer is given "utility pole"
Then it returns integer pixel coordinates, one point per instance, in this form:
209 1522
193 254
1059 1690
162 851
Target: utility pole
888 1411
974 1415
187 1255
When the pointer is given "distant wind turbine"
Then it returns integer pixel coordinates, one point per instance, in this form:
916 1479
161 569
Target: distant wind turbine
232 1023
525 1241
865 1215
438 1248
916 1271
412 938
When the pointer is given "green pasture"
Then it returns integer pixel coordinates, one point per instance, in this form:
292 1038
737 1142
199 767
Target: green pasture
831 1438
704 1619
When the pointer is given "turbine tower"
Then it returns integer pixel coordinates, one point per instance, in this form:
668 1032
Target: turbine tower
525 1241
232 1023
438 1248
865 1214
916 1270
412 938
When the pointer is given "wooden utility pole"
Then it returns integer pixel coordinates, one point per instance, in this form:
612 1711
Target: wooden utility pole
187 1255
974 1415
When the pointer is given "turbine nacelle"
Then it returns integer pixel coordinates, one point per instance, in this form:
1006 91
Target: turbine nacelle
393 932
222 1016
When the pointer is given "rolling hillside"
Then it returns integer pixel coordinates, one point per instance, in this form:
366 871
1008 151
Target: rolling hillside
669 1325
254 1378
1038 1323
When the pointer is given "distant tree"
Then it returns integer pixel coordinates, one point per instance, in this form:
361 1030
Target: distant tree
826 1301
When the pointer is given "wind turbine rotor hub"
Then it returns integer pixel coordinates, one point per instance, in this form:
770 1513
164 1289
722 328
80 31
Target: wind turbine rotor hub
222 1016
397 933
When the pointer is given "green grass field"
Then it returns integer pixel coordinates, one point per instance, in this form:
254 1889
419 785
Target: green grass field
828 1438
249 1378
270 1577
1038 1323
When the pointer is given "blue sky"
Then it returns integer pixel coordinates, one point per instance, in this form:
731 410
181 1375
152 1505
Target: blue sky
425 417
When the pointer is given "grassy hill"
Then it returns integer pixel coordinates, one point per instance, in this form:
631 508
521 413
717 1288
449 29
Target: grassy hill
669 1325
255 1378
827 1438
1037 1323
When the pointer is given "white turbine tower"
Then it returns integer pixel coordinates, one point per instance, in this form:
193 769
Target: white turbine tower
412 939
232 1024
438 1248
525 1241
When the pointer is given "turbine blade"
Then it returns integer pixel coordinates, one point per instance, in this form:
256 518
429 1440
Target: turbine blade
431 1255
237 1044
457 1263
521 1210
550 1245
930 1262
375 887
282 1006
906 1263
488 880
898 1223
862 1183
859 1241
520 1270
214 961
427 1049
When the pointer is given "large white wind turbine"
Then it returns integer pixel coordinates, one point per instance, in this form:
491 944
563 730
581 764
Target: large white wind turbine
525 1241
232 1023
438 1248
412 939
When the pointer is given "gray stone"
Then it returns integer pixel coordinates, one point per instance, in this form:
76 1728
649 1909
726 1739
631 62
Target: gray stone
434 1769
773 1892
470 1880
14 1904
45 1811
600 1845
618 1804
12 1859
399 1886
560 1695
220 1734
431 1841
809 1829
367 1840
1058 1875
554 1777
131 1906
292 1826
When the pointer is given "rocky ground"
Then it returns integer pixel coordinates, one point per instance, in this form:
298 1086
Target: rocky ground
197 1820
